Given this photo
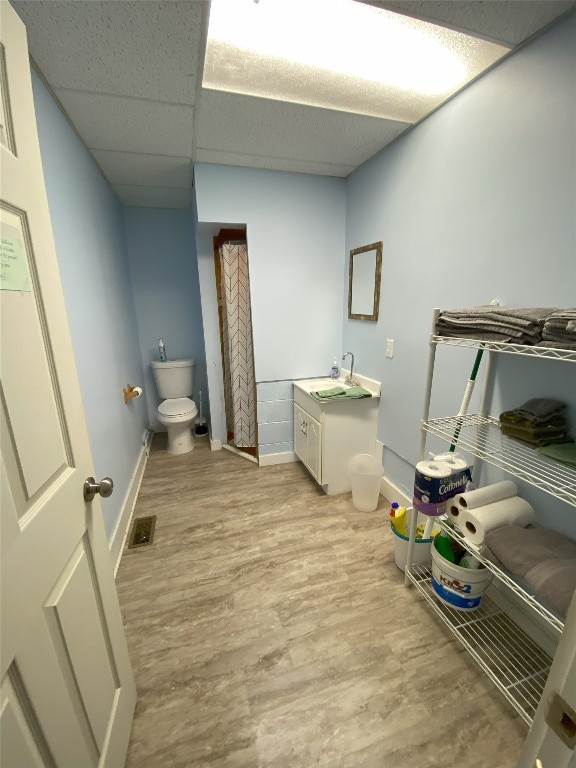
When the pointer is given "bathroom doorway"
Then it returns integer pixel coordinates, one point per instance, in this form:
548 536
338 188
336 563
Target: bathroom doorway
235 321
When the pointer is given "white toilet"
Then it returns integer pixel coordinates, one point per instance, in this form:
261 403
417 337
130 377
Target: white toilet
174 382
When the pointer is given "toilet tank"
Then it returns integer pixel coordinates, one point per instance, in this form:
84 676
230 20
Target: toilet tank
174 378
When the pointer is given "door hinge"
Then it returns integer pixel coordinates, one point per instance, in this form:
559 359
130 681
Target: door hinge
562 719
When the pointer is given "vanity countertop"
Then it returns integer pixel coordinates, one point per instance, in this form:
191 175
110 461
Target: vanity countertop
313 385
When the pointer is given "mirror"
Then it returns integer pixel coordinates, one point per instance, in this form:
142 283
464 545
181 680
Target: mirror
364 282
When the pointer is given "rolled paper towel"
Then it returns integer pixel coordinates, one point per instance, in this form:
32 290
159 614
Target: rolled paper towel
487 495
453 511
476 523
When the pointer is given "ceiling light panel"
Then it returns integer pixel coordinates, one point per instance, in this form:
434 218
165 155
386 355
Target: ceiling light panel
339 54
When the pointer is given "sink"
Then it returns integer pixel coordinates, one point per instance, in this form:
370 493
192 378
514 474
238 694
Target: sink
317 385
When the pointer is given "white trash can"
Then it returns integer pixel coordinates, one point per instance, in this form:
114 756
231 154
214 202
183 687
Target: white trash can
365 476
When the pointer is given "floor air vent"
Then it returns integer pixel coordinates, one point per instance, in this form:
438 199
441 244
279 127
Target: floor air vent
142 532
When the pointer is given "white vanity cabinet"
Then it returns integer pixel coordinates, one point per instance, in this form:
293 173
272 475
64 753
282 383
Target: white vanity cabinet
327 434
308 441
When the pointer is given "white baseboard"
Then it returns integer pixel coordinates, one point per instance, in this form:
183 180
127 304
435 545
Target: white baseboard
238 452
393 493
276 458
123 525
215 445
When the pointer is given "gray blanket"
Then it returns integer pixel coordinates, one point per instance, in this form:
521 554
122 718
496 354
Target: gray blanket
544 559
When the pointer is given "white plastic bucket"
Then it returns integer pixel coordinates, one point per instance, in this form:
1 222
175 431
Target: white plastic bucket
421 554
365 476
460 588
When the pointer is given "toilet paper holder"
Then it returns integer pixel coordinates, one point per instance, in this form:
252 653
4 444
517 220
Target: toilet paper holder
129 392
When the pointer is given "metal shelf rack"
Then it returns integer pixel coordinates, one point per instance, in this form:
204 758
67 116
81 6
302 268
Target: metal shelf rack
481 436
521 591
517 666
514 663
568 355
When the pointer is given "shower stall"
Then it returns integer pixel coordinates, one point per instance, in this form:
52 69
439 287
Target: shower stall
235 321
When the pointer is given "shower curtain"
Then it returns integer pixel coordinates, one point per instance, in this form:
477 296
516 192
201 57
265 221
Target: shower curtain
238 358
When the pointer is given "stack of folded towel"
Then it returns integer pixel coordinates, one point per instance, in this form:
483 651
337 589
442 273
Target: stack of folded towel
559 330
516 326
339 393
544 559
538 421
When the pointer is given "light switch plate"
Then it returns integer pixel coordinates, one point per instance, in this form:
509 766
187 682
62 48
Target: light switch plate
389 347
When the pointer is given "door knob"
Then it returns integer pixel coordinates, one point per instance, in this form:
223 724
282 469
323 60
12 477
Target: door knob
104 488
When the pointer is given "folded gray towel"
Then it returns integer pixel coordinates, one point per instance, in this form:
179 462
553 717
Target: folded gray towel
554 582
540 408
512 325
561 324
486 552
560 328
557 344
483 335
569 312
557 334
520 549
521 316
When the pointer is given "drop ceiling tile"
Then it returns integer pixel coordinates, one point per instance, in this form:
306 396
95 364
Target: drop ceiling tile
152 197
262 128
138 169
504 22
146 49
130 125
221 157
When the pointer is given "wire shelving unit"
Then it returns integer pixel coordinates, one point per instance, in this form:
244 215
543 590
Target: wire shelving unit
514 663
510 658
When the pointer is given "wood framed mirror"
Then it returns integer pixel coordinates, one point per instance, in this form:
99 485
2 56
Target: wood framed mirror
364 282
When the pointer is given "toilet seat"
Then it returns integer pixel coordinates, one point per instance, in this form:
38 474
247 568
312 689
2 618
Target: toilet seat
177 407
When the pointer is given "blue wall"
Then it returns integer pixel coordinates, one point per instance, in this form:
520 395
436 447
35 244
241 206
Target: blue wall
87 220
295 232
475 203
162 253
295 226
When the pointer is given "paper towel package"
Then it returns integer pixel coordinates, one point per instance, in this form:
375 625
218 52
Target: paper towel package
434 483
479 497
487 495
476 523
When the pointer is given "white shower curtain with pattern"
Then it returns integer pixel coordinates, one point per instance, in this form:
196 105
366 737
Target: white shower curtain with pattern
238 342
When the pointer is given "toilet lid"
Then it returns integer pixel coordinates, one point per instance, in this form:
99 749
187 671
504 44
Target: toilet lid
177 407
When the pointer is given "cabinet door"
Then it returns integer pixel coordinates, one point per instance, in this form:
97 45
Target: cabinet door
300 443
314 446
308 442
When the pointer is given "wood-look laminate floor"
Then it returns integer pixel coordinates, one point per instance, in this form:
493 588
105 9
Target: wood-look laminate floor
268 626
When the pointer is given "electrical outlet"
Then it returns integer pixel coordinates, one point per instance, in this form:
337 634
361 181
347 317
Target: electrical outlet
389 347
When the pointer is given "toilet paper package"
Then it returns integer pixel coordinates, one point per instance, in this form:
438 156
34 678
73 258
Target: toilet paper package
435 482
453 460
476 523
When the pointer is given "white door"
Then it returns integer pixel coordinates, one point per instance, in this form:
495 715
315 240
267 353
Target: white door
67 690
553 733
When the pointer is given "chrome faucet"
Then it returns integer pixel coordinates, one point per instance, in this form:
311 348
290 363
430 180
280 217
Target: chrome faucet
350 380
